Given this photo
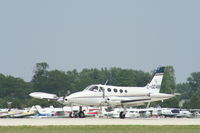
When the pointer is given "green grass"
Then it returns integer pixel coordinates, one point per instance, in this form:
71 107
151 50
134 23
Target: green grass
100 129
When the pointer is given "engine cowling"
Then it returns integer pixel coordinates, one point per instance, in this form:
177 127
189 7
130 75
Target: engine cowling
111 101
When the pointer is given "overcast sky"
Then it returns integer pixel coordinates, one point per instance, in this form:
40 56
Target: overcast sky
77 34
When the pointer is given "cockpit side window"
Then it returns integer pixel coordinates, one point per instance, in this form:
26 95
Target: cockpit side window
94 88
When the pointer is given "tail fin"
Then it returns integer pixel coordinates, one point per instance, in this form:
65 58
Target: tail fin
38 108
156 81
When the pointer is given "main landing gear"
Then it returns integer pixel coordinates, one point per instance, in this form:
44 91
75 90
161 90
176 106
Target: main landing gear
77 114
122 114
81 114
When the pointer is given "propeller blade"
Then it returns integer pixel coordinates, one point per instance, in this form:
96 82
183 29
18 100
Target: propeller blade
103 92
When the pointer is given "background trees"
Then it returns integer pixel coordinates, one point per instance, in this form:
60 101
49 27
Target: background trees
59 82
13 90
169 86
192 95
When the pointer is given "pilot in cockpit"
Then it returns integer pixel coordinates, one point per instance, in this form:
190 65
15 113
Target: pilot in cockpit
92 88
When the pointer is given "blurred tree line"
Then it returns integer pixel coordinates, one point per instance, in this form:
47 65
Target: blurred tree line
16 90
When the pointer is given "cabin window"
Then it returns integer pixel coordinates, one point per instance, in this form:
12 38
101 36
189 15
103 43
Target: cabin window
121 91
109 90
125 91
115 90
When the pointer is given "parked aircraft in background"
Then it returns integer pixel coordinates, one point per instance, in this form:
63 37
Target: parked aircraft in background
113 96
51 112
15 113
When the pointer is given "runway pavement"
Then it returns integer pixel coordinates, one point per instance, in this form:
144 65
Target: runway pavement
98 121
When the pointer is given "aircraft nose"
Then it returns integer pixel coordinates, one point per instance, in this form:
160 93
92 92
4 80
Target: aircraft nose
31 94
74 95
68 99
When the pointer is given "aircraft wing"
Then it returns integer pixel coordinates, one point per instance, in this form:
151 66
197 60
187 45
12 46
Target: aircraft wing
128 100
135 100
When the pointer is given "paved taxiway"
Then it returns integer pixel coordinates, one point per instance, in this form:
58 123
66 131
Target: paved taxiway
98 121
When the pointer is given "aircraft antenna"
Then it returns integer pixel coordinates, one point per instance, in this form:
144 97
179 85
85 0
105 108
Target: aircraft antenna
106 82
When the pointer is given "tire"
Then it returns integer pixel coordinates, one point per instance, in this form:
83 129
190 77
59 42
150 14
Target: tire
81 114
122 115
70 115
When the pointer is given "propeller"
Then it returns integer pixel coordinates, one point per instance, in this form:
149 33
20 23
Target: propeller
63 99
103 92
105 100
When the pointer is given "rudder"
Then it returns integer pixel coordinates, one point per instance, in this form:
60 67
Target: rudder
156 81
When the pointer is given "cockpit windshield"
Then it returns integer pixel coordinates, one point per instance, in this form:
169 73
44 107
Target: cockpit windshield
92 88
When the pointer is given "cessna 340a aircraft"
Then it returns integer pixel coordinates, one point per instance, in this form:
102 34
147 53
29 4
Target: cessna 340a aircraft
113 96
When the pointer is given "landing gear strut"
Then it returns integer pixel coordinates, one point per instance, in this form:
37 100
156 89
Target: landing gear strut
122 113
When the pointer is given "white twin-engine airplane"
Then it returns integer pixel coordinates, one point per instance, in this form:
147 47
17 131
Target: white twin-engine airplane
113 96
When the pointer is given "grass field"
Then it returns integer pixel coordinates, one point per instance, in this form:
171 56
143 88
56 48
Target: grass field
100 129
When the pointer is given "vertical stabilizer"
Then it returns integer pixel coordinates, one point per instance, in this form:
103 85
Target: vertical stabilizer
39 109
156 81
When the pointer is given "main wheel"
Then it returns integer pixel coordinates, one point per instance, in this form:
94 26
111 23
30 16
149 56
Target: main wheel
81 114
122 115
70 115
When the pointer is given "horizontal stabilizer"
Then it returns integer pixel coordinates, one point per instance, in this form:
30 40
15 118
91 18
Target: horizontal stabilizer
177 94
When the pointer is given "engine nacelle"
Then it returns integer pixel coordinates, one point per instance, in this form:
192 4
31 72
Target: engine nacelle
111 101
